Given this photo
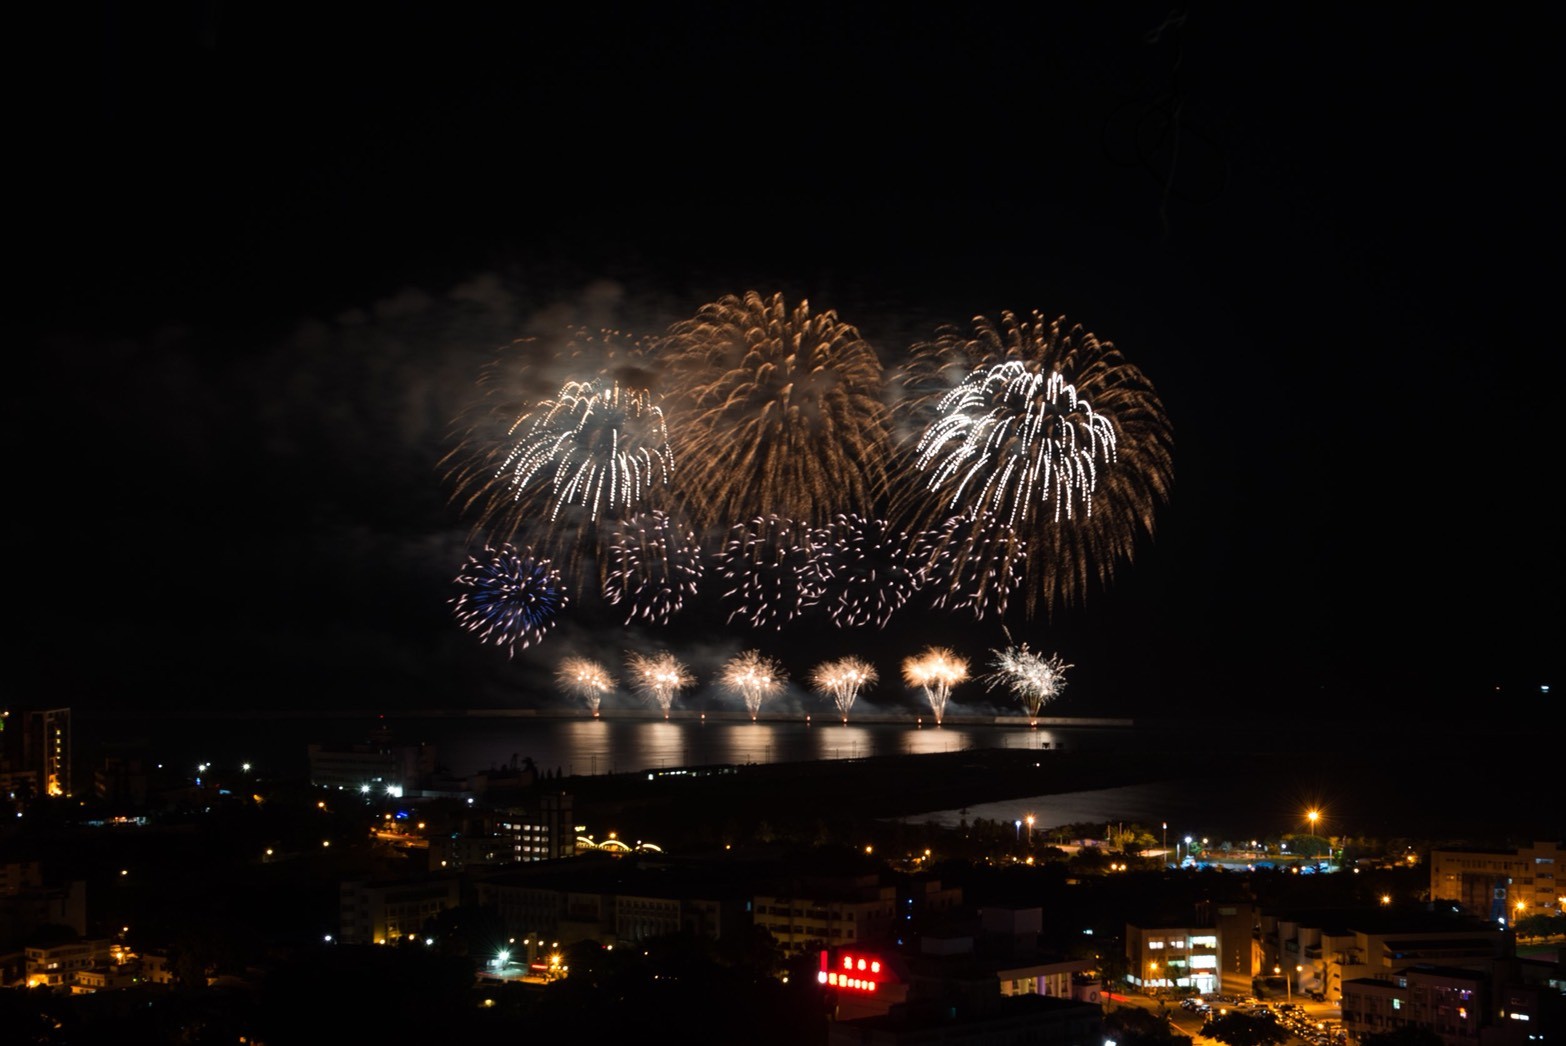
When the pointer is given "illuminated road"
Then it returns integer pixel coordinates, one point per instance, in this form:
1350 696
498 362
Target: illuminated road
1189 1023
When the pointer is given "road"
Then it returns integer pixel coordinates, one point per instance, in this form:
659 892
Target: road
1189 1023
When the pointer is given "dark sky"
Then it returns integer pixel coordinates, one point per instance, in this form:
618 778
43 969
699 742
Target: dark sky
266 249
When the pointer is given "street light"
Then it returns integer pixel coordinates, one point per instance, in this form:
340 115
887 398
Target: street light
1288 982
1030 829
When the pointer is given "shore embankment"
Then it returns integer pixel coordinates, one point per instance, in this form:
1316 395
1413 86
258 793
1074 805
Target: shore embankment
835 793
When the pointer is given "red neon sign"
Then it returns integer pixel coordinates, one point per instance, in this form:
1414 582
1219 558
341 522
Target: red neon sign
854 972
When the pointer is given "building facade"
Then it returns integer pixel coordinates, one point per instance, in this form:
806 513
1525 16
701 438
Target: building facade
1501 884
1453 1003
56 966
828 912
35 751
610 901
376 766
385 913
1187 958
1321 950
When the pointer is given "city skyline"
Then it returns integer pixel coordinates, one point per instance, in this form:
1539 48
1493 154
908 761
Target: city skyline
269 267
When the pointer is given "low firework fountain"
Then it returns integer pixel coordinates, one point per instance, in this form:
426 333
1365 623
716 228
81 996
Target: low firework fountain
841 680
936 670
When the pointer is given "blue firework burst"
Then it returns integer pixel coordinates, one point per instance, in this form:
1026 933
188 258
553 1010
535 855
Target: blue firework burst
512 597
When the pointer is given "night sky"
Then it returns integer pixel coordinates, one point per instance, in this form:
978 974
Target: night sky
265 250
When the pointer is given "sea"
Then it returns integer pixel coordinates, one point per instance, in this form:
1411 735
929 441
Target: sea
1214 781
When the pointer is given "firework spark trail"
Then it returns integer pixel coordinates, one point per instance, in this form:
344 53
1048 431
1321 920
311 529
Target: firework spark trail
936 670
658 678
788 402
766 565
1045 428
653 564
584 678
1033 679
602 447
972 564
865 571
512 599
754 677
611 440
1007 434
841 680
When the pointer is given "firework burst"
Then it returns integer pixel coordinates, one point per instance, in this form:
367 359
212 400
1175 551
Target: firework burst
547 458
601 447
1050 431
841 680
971 564
767 568
754 677
1033 679
936 670
1008 437
865 571
658 678
586 679
789 403
512 598
652 565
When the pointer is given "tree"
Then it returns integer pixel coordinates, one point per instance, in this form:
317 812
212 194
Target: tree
1405 1035
1243 1029
1540 926
1310 846
1133 1026
470 930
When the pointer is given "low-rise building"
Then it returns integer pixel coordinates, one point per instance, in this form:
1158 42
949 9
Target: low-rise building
1185 957
1453 1003
881 997
376 766
107 977
386 912
611 900
56 965
827 911
1321 950
528 828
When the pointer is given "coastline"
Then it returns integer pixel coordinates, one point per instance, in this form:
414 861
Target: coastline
684 715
